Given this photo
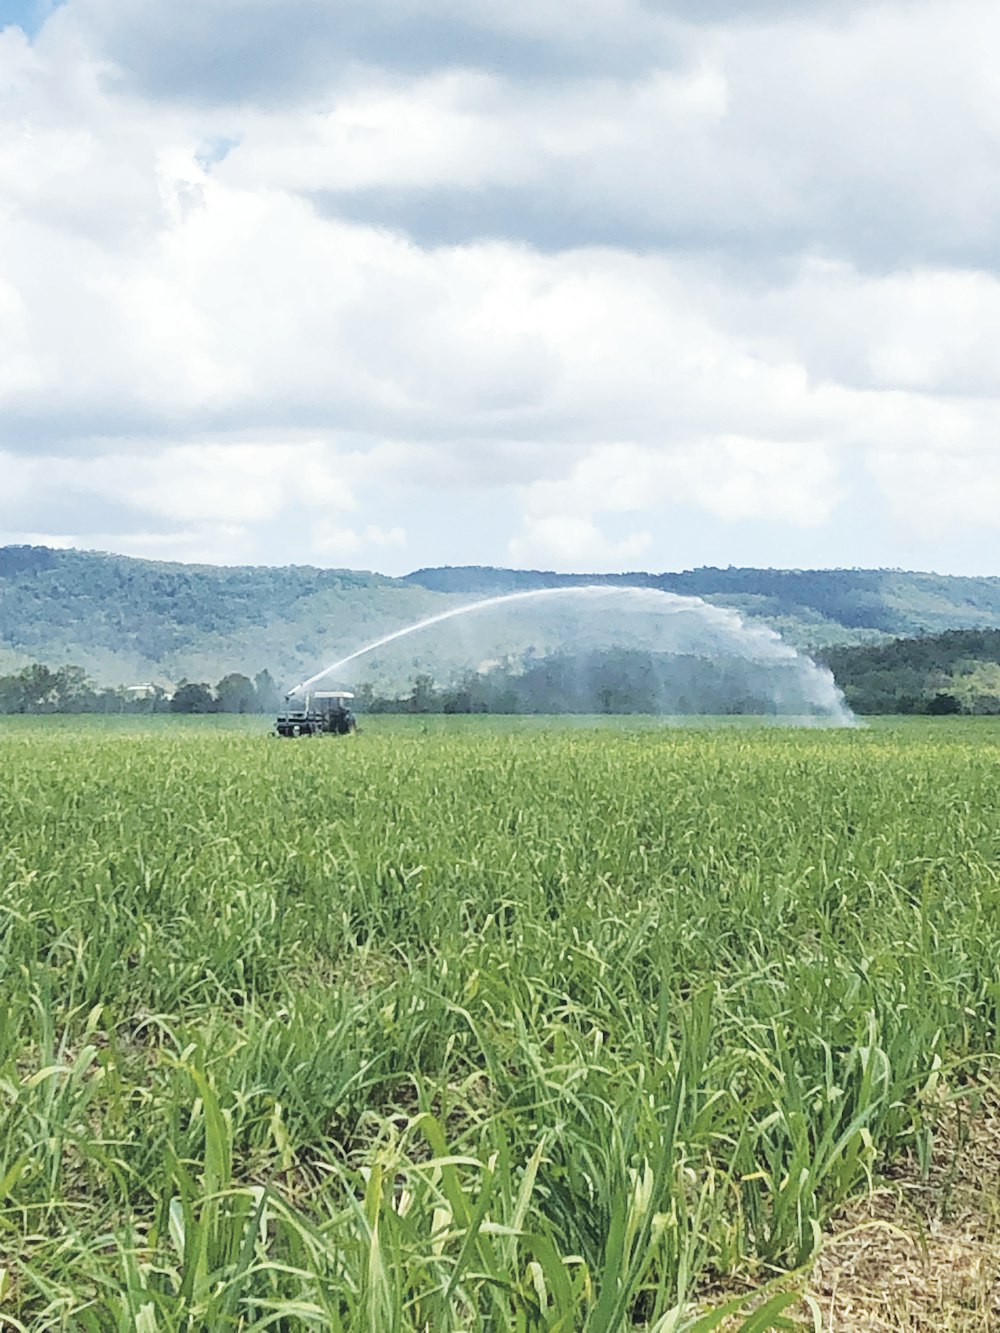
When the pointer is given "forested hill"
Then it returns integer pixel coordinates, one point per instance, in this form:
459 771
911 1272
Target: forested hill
813 608
958 671
126 620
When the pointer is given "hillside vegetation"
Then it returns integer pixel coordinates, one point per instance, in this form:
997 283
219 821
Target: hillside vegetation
811 608
124 620
958 671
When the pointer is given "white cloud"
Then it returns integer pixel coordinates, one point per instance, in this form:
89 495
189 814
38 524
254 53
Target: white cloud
17 475
822 132
940 490
205 483
223 545
331 539
922 330
566 542
468 129
705 279
731 478
241 483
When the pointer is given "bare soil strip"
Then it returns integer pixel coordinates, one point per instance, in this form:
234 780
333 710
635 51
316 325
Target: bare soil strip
921 1253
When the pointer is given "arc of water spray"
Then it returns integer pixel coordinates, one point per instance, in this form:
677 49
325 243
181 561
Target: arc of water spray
726 619
436 620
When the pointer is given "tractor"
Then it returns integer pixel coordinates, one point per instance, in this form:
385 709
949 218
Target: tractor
322 713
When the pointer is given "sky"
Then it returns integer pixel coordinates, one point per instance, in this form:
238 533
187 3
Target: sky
579 285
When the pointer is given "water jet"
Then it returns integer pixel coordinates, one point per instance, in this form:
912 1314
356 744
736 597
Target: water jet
725 663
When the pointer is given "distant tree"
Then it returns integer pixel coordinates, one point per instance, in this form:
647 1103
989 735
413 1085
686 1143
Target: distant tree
458 701
236 694
424 698
156 700
74 691
111 700
364 697
38 686
11 695
268 694
190 697
943 705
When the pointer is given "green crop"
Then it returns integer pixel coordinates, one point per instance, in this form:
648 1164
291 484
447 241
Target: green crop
471 1025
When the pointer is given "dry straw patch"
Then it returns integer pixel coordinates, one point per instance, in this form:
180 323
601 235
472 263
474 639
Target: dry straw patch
921 1254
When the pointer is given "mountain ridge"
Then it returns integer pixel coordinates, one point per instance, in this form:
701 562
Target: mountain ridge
125 618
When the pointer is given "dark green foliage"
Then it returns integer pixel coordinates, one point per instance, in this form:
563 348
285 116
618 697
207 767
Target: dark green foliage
236 694
15 560
39 689
191 697
944 705
958 671
939 652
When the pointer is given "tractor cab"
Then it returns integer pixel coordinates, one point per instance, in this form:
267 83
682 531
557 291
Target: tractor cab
319 713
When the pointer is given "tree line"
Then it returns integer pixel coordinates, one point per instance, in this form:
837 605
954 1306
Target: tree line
954 672
608 681
37 688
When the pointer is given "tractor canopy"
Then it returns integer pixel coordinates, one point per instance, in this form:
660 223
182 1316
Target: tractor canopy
318 713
